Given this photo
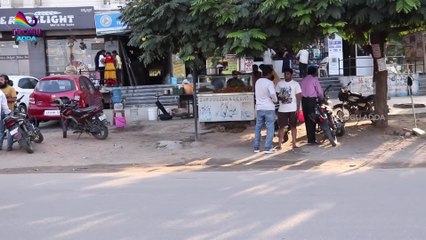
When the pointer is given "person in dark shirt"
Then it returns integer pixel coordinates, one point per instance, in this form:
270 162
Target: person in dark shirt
235 81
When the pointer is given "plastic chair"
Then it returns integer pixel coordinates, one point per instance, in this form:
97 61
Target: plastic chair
323 68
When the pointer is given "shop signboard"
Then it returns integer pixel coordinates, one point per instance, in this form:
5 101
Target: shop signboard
49 18
14 57
222 107
107 23
335 55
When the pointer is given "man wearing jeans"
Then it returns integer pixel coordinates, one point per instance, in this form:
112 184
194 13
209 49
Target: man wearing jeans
265 109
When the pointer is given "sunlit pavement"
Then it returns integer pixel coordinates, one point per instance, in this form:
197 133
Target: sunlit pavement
157 205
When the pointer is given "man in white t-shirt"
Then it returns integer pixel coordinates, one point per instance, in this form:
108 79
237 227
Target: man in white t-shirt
289 96
101 67
303 56
267 56
266 98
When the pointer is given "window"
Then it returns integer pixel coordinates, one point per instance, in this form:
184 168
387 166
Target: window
14 59
361 52
89 83
27 83
83 84
78 52
56 86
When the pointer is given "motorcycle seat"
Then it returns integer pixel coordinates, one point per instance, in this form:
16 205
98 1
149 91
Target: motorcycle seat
370 97
12 117
82 111
356 94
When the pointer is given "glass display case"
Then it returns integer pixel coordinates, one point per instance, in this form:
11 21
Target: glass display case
212 83
219 102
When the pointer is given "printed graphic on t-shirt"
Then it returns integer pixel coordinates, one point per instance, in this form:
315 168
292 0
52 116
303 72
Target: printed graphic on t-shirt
285 93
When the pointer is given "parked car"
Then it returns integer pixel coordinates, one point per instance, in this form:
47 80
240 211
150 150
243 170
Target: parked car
24 85
50 88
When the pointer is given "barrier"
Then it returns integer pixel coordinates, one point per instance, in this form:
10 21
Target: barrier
152 114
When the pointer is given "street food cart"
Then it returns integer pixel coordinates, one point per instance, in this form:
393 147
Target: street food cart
218 102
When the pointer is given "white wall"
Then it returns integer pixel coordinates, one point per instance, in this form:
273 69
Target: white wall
68 3
97 4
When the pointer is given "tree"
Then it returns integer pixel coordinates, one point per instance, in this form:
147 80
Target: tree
214 28
367 22
247 27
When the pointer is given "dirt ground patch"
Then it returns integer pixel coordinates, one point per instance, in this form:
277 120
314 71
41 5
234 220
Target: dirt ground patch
223 147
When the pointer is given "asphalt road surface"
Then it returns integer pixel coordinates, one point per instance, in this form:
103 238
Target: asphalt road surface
159 205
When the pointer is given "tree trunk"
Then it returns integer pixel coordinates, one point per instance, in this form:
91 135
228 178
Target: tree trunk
380 78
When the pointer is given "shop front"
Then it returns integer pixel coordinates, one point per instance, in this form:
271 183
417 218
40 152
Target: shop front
44 41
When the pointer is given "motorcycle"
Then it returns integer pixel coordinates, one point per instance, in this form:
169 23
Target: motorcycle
22 129
354 105
328 123
91 120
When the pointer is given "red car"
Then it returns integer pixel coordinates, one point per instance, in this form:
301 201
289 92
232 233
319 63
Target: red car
50 88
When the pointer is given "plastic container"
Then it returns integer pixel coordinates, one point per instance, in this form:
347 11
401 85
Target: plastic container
120 122
188 89
118 106
152 114
116 96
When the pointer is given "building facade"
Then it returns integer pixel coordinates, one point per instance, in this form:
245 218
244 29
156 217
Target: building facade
64 34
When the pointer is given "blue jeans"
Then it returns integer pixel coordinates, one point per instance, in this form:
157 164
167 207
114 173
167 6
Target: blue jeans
264 117
2 129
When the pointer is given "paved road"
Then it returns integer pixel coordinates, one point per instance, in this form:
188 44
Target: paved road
156 205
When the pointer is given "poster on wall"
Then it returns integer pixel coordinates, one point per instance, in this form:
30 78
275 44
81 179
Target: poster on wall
232 63
377 53
226 107
178 67
335 55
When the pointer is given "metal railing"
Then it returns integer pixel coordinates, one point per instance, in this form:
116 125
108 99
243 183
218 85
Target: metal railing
96 76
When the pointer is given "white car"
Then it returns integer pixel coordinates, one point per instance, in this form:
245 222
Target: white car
24 85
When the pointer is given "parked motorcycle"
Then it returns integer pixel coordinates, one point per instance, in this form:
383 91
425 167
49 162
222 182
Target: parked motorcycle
328 123
90 120
22 129
354 105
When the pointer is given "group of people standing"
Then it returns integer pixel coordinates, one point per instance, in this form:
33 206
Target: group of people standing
292 97
302 56
109 66
7 103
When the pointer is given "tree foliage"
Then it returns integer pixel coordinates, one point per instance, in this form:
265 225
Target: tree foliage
247 27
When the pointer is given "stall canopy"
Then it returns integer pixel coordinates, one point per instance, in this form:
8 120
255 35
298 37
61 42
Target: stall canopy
109 23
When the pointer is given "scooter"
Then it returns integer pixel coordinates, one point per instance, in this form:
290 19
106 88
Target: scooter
90 120
22 129
354 105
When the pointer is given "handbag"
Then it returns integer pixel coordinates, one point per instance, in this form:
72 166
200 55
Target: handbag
300 117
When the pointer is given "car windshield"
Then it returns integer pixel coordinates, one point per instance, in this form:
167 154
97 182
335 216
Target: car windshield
55 86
